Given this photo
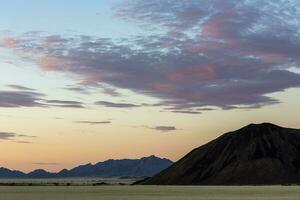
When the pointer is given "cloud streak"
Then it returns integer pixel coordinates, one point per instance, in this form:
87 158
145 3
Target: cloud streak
93 122
45 164
10 136
26 97
12 99
165 128
65 104
7 135
19 87
116 105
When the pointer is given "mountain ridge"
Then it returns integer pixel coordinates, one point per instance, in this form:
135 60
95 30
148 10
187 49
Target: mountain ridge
107 168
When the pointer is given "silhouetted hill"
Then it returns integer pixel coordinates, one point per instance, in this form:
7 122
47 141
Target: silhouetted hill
7 173
40 173
147 166
256 154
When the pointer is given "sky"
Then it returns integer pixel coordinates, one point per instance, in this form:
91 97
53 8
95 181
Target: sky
85 81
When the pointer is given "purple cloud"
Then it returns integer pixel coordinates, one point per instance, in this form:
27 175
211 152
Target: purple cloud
206 54
24 97
20 99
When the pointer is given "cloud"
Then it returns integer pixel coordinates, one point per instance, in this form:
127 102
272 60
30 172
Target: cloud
7 136
25 97
159 128
221 54
11 99
24 142
45 164
164 128
19 87
26 136
9 41
78 89
65 104
14 137
93 122
186 112
85 89
110 91
116 105
183 14
186 109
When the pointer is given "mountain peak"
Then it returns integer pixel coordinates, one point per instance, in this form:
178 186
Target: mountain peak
257 130
151 157
39 171
263 125
255 154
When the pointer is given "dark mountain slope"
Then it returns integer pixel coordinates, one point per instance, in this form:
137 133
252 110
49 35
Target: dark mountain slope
256 154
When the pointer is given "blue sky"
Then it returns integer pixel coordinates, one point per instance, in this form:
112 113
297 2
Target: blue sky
64 17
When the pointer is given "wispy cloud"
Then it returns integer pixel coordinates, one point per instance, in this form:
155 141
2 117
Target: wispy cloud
20 99
186 112
116 105
26 136
65 104
7 136
165 128
159 128
19 87
26 97
10 136
78 89
93 122
24 142
45 164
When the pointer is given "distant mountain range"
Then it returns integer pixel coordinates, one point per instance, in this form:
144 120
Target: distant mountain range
258 154
144 167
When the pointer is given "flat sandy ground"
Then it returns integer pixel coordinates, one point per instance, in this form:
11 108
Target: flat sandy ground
150 193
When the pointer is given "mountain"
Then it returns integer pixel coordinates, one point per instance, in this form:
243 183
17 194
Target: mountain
147 166
254 155
7 173
40 173
144 167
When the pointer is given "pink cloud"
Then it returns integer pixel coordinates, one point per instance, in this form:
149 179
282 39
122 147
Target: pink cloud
51 63
224 25
9 41
162 87
272 58
90 79
195 72
203 47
